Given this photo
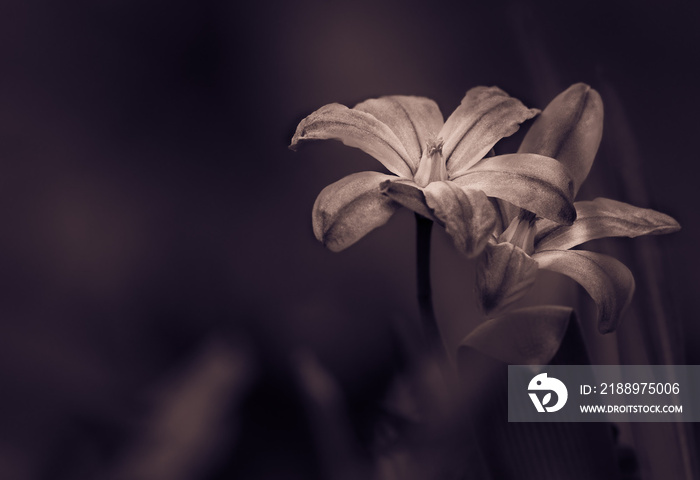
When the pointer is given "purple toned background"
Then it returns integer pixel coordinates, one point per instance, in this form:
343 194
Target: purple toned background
150 203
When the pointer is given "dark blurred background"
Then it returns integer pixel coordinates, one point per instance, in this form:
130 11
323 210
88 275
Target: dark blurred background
150 205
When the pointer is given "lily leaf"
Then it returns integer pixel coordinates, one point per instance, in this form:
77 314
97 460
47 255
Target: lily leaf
533 182
468 216
602 218
607 281
504 274
486 115
356 129
527 336
414 120
345 211
569 129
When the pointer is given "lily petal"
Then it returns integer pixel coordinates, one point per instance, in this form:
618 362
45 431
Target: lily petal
607 281
413 119
347 210
602 218
468 216
502 214
409 195
486 115
533 182
527 336
355 129
504 274
569 129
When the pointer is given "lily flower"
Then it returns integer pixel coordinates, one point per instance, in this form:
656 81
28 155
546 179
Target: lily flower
437 167
569 129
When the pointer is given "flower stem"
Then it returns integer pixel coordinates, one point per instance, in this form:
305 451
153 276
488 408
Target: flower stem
425 294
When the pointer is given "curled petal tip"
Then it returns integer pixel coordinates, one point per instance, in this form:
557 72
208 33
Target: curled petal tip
663 223
673 226
298 134
294 144
315 123
568 215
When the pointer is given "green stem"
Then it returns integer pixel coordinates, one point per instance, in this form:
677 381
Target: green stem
425 294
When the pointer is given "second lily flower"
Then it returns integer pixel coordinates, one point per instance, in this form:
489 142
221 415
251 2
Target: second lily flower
570 130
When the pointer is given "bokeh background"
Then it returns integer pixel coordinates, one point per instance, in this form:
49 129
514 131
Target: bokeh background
153 213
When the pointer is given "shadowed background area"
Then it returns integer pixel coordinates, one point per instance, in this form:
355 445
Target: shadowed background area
151 207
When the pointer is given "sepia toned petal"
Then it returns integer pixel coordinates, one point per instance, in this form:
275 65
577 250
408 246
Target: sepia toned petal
502 214
602 218
347 210
409 195
504 274
533 182
607 281
468 216
569 129
413 119
485 115
526 336
355 129
508 212
544 227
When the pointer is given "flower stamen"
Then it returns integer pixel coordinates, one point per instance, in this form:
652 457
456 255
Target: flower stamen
432 166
